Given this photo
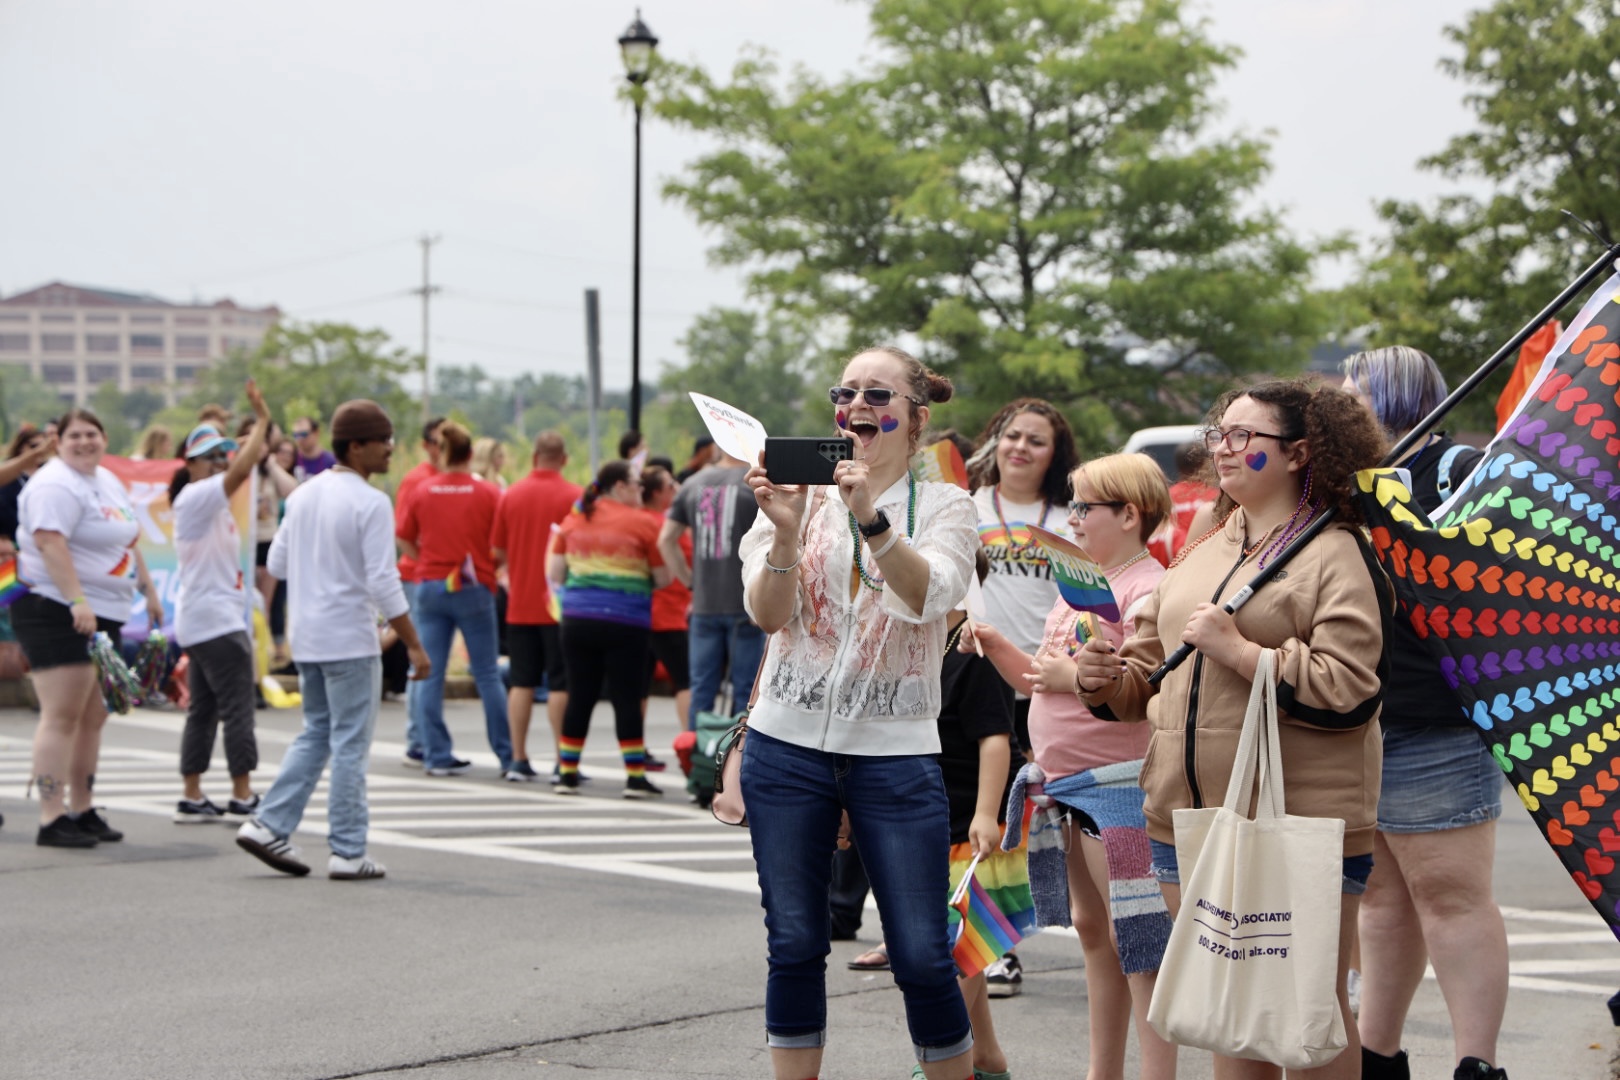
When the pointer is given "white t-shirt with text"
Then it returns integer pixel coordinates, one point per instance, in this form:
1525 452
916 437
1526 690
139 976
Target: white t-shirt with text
213 596
95 515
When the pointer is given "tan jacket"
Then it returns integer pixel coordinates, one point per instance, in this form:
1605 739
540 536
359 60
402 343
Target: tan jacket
1327 613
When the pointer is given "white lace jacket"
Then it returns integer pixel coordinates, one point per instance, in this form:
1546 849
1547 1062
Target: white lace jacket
861 676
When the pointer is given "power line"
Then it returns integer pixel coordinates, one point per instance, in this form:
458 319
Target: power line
236 277
534 254
362 302
518 302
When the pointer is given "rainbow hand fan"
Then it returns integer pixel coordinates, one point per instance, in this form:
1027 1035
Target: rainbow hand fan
1081 582
984 935
940 462
12 588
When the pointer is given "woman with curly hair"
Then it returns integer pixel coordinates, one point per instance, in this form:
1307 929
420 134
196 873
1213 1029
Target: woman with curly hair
1283 453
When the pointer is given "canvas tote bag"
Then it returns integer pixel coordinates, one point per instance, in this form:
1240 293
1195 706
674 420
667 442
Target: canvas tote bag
1251 969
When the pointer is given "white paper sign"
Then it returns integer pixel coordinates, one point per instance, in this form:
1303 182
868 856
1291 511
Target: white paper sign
975 600
734 431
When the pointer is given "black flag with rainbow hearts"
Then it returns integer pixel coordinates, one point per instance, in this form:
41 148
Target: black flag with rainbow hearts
1513 587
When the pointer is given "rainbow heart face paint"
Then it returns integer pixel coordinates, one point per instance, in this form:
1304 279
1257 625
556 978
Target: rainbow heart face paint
1256 460
888 423
842 416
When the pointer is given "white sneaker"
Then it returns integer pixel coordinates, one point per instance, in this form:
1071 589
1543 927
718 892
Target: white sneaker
273 850
362 868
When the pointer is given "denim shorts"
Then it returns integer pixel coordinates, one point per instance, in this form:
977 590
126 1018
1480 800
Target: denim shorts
1437 778
1357 868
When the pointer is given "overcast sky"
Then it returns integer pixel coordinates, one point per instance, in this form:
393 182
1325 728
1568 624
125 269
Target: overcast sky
292 154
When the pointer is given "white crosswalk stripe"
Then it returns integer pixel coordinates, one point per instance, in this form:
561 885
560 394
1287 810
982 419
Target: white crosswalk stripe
667 840
1561 944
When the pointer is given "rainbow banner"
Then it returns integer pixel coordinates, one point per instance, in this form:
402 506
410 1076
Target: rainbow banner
1081 582
1514 588
147 483
984 935
940 463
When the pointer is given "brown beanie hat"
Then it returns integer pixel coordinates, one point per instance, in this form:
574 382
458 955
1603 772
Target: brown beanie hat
359 420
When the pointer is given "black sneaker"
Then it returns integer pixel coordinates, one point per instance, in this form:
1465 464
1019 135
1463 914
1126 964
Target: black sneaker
556 775
520 772
65 832
243 807
566 784
457 767
652 764
196 811
1472 1068
639 787
92 823
1005 977
1376 1066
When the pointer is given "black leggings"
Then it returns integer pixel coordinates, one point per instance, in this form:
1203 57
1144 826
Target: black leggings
595 650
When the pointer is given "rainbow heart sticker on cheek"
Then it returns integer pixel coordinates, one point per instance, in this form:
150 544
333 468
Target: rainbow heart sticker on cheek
842 417
888 423
1256 461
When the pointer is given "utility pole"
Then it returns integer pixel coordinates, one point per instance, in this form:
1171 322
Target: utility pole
426 292
593 371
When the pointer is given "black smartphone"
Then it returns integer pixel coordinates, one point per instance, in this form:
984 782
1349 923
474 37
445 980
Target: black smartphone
804 459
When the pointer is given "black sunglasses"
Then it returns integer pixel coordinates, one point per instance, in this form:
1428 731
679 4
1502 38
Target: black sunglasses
876 396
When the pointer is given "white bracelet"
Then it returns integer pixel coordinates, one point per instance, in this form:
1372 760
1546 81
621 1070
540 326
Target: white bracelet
783 569
894 538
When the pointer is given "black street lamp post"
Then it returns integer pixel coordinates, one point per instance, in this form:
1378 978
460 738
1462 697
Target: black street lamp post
637 44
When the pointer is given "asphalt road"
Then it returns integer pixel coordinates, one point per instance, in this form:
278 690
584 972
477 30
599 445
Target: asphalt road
520 934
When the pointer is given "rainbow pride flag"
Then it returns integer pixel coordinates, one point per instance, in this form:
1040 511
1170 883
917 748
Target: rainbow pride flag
984 935
12 588
1081 582
940 462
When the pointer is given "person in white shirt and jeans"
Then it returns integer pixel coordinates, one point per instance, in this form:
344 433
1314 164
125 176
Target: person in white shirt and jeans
335 550
855 584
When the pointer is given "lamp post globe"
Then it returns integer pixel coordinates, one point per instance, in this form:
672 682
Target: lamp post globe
637 45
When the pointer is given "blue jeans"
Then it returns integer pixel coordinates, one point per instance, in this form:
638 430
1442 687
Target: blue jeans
713 639
901 823
340 713
413 688
440 613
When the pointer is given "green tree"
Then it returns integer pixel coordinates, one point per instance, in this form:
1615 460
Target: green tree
26 400
1457 277
313 368
758 363
108 405
1028 188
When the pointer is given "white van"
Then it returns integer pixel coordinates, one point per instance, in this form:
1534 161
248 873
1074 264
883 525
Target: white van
1161 444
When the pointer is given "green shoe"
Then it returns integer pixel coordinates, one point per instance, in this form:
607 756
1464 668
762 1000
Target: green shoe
917 1073
980 1074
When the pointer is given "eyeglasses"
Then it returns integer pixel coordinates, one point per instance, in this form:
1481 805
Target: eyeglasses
876 396
1237 439
218 457
301 433
1081 509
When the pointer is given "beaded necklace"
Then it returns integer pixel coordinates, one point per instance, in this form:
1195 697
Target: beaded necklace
876 583
1015 552
954 637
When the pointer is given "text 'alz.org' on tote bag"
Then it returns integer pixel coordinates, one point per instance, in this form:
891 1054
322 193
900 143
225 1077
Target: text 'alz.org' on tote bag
1251 970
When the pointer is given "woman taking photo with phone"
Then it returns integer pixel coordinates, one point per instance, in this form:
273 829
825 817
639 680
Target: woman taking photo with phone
76 551
1283 452
855 582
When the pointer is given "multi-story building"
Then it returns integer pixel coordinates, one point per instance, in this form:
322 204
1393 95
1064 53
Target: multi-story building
76 338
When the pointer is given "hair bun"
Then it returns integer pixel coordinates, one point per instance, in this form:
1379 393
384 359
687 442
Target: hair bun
939 387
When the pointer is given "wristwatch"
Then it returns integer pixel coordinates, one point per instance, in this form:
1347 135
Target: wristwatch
878 527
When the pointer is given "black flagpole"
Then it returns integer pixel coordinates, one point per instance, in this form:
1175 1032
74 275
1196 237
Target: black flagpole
1466 387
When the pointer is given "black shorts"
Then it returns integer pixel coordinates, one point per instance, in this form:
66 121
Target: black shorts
536 651
668 647
261 553
44 629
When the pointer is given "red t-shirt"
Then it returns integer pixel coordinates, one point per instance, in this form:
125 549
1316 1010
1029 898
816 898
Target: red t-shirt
407 565
449 517
523 525
671 603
